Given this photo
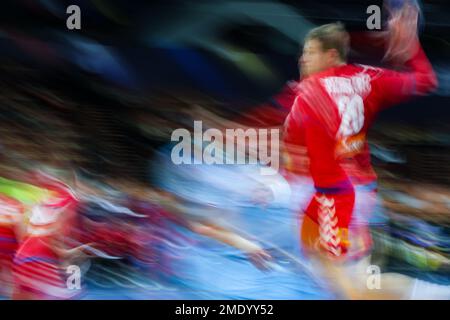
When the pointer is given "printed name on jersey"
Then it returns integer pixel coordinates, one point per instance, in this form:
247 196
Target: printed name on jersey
348 94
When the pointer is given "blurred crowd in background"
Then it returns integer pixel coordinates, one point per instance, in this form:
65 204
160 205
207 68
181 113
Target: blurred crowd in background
86 118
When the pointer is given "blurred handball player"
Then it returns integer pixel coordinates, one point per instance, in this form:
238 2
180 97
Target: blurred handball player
336 104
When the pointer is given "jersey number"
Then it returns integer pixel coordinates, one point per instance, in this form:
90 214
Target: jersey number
351 110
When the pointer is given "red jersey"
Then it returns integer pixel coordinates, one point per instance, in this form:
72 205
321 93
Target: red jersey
334 109
11 212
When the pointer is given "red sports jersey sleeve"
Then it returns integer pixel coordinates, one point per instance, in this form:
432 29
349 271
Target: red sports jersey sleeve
273 112
392 87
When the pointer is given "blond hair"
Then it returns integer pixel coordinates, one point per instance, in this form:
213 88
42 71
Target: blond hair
332 36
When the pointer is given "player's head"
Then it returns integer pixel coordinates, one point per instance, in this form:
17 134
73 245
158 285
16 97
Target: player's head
325 47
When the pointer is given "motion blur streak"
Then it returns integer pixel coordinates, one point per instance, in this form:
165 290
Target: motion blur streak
86 177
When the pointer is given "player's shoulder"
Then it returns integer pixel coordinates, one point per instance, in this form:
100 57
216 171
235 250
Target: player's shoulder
372 71
356 68
366 67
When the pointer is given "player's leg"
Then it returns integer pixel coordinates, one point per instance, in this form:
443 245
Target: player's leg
325 238
358 268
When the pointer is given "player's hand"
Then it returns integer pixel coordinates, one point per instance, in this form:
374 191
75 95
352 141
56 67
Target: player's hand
402 34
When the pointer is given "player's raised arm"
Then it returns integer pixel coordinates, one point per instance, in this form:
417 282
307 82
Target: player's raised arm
403 47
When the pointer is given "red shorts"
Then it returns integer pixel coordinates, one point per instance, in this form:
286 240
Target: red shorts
326 223
337 226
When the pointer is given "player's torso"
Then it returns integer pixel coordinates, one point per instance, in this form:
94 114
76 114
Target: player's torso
344 101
